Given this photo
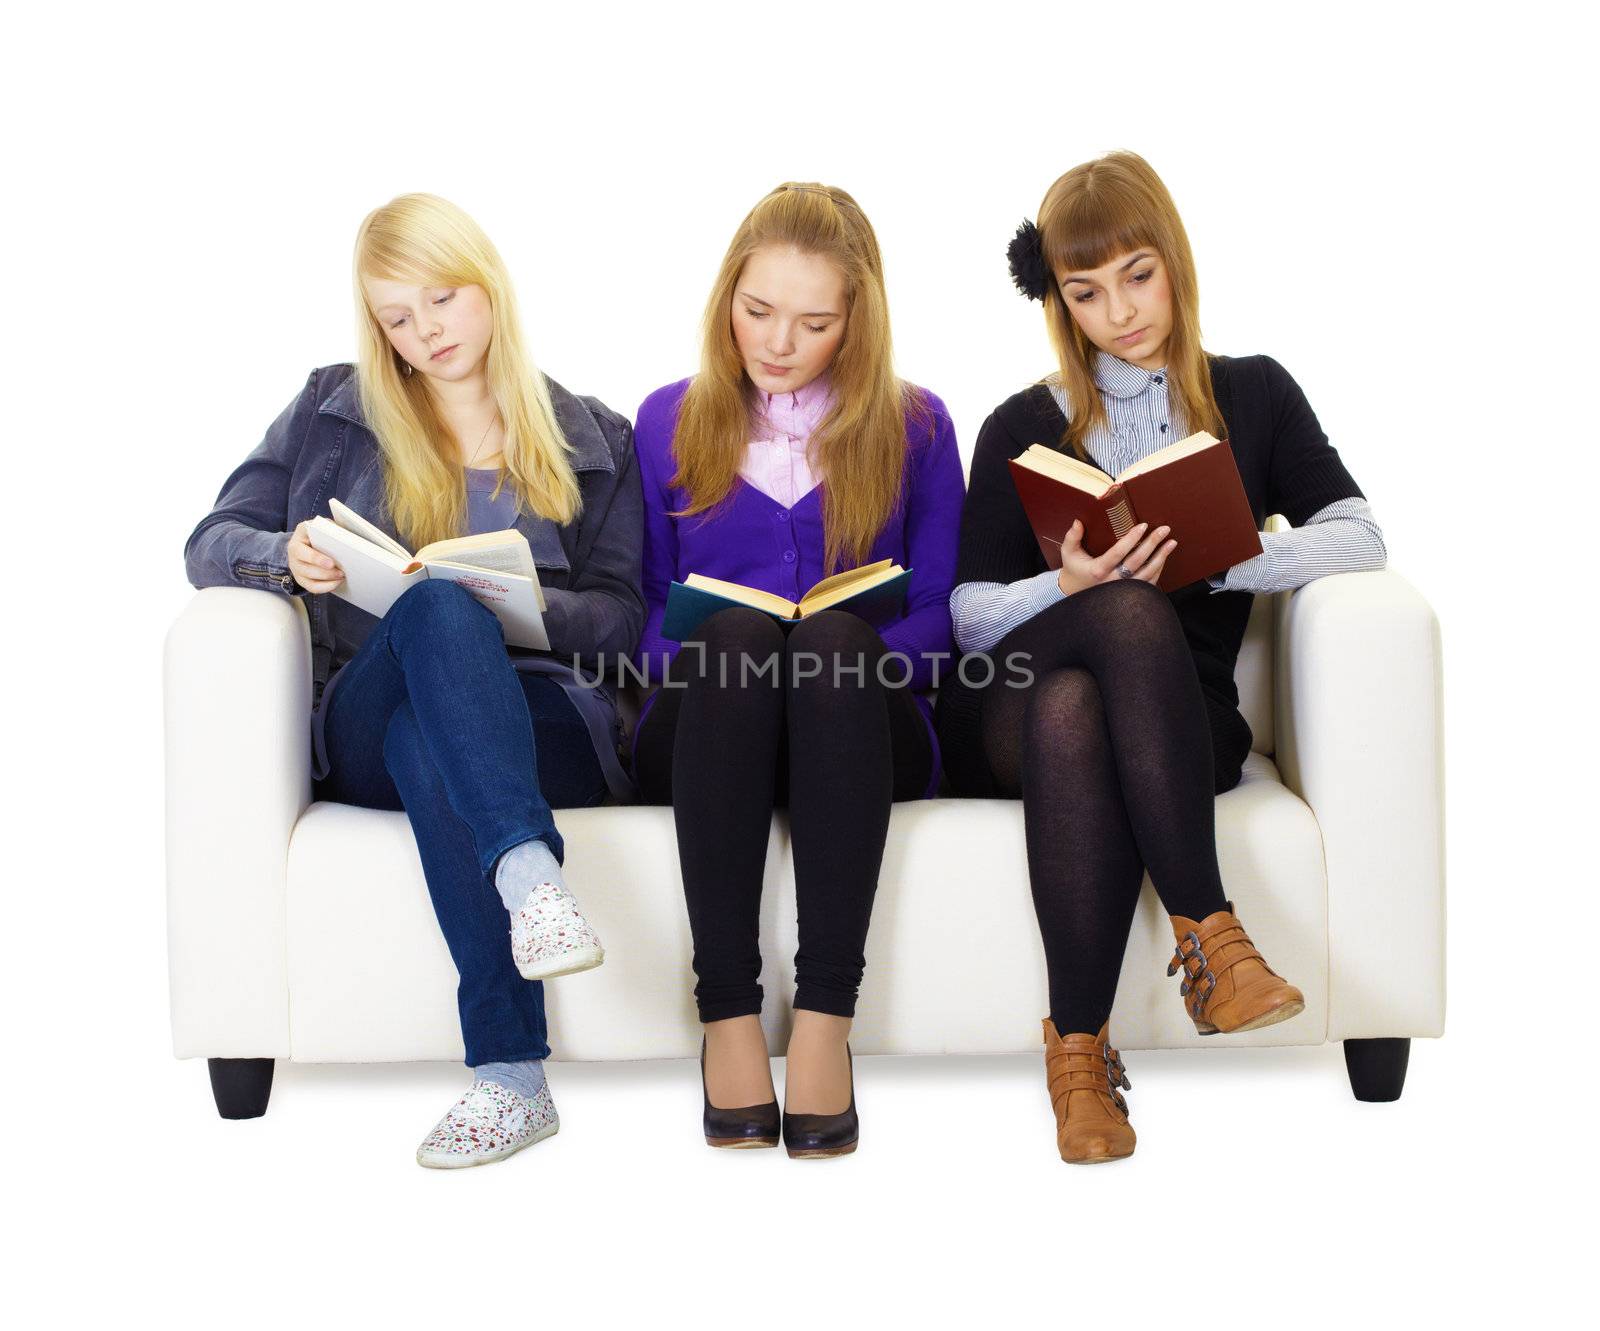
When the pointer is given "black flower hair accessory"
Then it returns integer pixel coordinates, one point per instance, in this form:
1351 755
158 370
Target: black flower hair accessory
1026 253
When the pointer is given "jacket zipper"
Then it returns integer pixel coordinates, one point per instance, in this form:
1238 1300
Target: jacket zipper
284 582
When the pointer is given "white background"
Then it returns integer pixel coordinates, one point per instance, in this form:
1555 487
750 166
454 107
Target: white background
1392 200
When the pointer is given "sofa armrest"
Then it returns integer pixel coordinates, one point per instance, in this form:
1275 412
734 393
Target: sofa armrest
1360 739
237 696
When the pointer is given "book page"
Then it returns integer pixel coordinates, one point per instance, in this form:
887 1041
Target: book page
1069 471
737 591
850 575
351 521
1171 453
503 551
842 586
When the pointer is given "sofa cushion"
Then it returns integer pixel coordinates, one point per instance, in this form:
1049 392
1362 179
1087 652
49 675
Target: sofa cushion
1253 672
954 963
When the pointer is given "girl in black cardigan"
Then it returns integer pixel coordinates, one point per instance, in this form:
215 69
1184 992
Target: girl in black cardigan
1124 725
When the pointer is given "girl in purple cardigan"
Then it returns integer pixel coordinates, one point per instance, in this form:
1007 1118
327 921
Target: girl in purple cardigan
793 454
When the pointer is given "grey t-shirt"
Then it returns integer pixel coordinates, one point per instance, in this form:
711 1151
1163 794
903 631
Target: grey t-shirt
487 511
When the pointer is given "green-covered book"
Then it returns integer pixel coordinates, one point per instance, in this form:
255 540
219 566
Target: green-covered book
873 591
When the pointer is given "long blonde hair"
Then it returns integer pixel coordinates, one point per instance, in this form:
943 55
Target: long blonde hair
1095 212
426 240
860 444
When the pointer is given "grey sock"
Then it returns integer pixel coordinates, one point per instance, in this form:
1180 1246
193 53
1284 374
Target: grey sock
525 1078
522 868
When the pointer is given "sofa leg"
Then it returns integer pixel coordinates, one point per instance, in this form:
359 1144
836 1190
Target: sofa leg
1377 1068
241 1086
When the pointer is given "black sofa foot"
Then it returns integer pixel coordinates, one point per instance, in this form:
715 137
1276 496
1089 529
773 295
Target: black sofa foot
1377 1068
241 1086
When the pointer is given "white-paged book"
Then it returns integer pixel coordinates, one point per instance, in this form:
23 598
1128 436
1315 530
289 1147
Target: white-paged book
496 567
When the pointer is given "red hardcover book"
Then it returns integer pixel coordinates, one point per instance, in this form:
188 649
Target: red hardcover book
1193 486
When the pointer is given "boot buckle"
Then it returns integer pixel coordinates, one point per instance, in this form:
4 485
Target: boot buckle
1116 1074
1180 957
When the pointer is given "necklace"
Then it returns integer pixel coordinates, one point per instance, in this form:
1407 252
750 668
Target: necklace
483 440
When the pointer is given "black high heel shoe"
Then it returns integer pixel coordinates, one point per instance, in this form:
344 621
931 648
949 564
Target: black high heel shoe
737 1129
823 1136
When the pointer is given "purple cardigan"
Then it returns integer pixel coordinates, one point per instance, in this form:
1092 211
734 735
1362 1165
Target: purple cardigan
753 539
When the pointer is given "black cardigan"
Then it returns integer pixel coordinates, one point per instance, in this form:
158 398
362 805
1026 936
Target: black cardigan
1287 464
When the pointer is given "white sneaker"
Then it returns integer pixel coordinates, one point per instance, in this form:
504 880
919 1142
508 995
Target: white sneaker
550 937
486 1124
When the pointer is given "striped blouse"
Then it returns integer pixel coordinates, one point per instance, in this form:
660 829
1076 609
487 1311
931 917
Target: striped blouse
1343 537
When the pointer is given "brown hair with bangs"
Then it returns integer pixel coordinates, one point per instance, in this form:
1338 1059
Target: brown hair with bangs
1093 214
859 446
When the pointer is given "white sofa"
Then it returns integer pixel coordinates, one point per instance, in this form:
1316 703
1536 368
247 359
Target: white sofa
304 931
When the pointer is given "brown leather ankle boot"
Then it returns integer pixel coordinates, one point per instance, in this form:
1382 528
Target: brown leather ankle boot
1227 984
1085 1075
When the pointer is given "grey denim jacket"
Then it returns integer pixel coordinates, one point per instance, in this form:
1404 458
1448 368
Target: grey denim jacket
320 448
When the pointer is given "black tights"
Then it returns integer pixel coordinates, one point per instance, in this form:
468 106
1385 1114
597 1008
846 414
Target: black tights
1111 751
727 745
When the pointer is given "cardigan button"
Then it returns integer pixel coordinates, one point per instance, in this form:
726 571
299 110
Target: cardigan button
788 556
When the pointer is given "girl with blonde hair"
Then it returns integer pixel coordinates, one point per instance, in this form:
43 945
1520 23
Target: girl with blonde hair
796 452
1130 727
443 428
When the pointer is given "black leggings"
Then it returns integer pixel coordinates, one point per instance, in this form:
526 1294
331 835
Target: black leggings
725 744
1116 756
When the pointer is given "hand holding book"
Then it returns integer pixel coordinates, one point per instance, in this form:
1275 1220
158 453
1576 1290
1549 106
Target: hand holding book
1192 486
369 568
316 572
1142 552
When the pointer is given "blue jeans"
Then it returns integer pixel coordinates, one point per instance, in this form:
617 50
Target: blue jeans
430 716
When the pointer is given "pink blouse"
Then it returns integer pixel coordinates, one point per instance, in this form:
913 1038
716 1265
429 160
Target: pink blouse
776 460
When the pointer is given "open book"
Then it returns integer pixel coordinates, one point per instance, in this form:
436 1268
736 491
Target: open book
872 591
496 567
1193 486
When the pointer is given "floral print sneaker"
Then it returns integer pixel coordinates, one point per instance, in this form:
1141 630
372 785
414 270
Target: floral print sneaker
486 1124
550 937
